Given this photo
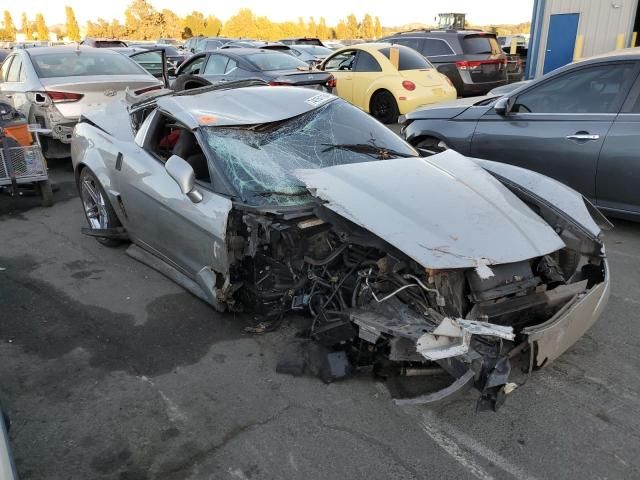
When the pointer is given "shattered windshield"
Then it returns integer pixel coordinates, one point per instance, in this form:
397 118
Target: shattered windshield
260 160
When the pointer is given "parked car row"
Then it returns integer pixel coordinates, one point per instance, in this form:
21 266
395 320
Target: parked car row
579 124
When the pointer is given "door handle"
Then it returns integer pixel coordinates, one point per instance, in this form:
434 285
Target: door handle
582 136
9 95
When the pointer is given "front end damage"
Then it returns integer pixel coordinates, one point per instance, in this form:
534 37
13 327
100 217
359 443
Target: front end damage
372 305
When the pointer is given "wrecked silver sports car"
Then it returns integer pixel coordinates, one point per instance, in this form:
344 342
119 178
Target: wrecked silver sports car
278 199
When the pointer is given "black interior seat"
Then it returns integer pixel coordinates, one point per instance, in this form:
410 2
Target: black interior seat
188 149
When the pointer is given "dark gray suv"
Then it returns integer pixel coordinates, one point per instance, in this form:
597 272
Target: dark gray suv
473 60
579 124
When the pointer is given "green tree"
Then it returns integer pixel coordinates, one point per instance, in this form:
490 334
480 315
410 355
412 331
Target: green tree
323 30
377 27
213 25
353 27
8 28
42 31
26 27
73 32
367 30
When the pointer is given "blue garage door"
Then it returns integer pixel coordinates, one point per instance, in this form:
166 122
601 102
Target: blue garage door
561 40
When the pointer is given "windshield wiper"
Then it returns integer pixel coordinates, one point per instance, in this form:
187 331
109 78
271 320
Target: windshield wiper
380 152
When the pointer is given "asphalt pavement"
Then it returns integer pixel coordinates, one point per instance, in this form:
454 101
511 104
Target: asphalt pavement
110 371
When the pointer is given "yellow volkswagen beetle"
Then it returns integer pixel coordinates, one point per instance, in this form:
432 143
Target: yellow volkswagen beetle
386 80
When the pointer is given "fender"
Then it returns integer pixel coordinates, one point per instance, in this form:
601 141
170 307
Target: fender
559 204
381 83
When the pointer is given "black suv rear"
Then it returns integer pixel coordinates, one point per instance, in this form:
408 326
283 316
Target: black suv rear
472 59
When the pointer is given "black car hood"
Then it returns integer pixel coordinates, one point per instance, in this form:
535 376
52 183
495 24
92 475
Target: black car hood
445 110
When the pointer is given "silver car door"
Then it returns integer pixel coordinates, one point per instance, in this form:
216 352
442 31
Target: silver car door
558 127
159 217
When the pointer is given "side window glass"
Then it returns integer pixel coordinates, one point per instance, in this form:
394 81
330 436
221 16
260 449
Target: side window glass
167 137
367 63
5 69
415 43
341 62
434 48
194 67
231 66
14 70
599 89
215 65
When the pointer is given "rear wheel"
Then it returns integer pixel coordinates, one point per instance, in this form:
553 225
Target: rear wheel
384 107
97 208
188 82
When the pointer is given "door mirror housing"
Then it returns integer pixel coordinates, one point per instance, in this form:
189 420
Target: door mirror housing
501 106
183 174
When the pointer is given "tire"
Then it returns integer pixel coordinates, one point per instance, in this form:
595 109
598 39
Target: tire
188 82
97 208
383 107
46 193
432 145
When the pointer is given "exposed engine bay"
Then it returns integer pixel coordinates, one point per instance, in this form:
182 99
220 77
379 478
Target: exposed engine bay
371 305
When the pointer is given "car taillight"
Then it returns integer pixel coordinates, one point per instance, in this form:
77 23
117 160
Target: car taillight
475 64
148 89
61 97
409 85
332 83
273 83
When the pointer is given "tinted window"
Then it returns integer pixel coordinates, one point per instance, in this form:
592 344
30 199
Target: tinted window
231 66
598 89
212 44
275 61
5 69
72 63
480 44
434 47
193 68
171 51
151 62
216 65
342 61
415 43
14 70
260 162
315 50
409 59
366 63
110 43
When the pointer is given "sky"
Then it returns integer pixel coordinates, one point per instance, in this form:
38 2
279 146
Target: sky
480 12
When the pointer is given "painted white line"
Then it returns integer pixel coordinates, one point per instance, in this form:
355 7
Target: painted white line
452 448
458 438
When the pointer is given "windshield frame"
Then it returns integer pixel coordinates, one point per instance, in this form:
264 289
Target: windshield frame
269 198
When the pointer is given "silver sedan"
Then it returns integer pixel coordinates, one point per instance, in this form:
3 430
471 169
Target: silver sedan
53 86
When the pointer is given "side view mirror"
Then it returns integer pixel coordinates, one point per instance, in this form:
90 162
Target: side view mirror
184 176
502 106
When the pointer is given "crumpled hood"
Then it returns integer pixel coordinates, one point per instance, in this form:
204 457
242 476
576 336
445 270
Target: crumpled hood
450 215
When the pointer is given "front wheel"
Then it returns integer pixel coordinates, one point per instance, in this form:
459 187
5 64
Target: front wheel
384 107
97 208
